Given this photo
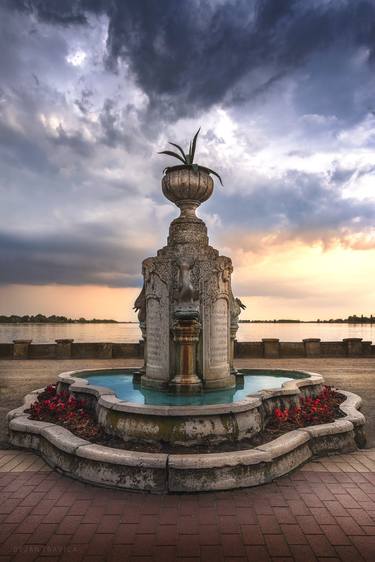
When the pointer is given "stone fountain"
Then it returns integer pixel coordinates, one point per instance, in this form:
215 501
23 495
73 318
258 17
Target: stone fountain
187 312
186 422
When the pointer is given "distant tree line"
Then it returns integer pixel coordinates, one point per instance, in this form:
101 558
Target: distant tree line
280 321
53 319
354 319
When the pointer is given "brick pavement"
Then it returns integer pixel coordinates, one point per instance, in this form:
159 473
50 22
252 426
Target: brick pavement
324 511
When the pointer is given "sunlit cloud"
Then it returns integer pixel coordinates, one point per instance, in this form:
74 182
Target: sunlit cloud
77 58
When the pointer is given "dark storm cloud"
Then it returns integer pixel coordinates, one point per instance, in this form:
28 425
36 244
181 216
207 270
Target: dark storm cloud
190 54
72 258
63 12
77 140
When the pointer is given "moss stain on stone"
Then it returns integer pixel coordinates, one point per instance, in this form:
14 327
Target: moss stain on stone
230 425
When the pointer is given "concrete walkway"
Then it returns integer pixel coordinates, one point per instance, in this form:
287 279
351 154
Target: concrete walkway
325 511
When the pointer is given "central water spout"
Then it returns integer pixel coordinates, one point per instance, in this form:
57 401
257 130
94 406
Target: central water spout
186 337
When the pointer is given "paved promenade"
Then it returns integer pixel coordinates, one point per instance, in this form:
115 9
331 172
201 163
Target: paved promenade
324 511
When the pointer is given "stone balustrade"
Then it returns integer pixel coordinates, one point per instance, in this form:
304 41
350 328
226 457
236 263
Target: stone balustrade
21 349
270 348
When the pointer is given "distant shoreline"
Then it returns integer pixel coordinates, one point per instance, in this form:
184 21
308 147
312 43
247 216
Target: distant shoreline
71 322
75 322
55 319
307 321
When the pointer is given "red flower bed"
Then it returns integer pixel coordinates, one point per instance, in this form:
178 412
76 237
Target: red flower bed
65 409
73 413
310 411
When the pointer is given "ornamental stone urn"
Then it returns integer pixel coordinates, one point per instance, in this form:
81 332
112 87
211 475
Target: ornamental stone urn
188 308
187 187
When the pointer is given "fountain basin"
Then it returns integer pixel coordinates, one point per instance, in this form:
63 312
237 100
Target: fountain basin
163 473
227 417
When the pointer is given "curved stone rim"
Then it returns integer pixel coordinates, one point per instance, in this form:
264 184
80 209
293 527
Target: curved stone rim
121 468
107 398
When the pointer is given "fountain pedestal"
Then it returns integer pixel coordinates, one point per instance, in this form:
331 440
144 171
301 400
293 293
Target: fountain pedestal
186 337
187 277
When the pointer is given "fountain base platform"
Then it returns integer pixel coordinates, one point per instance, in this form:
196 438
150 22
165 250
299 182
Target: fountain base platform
176 472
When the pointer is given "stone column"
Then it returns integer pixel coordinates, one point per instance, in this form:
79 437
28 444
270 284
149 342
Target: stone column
139 373
312 347
21 349
353 346
63 348
186 337
233 333
142 326
271 347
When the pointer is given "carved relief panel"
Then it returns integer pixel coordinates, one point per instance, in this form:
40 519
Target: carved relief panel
156 276
215 290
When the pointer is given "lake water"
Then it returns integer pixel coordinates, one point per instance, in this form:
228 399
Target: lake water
47 333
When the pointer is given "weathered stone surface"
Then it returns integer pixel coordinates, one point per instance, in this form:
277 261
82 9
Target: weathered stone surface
285 463
271 347
131 477
197 473
120 456
353 346
21 349
339 426
183 431
241 349
350 408
189 425
187 279
24 424
24 439
312 347
285 443
292 349
64 348
62 438
182 473
42 351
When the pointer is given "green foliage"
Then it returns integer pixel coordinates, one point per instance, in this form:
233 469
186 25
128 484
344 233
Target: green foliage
187 159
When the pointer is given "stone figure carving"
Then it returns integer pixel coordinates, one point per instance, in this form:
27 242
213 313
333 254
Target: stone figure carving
187 298
224 269
140 305
186 293
154 269
236 307
240 305
148 268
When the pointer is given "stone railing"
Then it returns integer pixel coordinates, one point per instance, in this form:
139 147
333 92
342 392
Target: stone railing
269 348
311 347
67 349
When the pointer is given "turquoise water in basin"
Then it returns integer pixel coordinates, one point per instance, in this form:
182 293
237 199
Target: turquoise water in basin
249 382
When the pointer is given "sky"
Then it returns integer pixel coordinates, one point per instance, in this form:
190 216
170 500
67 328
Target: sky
284 93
